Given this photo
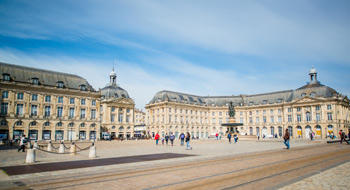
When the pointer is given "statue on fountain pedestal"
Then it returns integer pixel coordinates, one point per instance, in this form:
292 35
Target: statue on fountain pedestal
231 110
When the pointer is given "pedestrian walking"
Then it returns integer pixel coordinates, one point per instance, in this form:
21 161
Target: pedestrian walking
182 138
156 138
217 136
286 138
188 138
311 137
22 143
166 138
342 136
235 137
229 137
172 138
162 140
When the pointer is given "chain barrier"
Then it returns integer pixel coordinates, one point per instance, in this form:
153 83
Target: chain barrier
65 146
80 150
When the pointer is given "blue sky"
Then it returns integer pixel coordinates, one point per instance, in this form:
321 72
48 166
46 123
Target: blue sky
197 47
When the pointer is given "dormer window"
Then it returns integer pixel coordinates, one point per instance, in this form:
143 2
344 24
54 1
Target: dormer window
303 94
60 84
313 94
6 77
35 81
264 101
279 100
83 87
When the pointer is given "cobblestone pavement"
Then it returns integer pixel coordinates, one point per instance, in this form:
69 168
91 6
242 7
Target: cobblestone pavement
334 178
216 165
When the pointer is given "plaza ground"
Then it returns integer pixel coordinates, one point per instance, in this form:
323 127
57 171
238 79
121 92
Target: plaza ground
212 164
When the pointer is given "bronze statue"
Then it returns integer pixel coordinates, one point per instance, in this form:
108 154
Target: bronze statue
231 110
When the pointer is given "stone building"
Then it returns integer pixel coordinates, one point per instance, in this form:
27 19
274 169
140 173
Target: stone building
48 105
313 108
117 110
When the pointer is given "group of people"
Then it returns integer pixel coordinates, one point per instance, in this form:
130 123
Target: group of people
183 138
235 137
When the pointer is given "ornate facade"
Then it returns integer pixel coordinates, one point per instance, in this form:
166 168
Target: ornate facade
311 108
48 105
117 110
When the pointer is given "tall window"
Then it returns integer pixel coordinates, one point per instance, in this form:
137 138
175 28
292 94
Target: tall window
298 108
289 118
71 112
279 119
127 119
82 101
272 119
47 98
120 117
93 102
60 99
264 118
112 117
4 108
318 117
289 110
34 97
20 96
82 113
93 114
59 111
329 115
5 94
271 112
34 110
19 110
250 120
318 107
47 111
329 107
308 116
71 100
241 119
299 118
257 119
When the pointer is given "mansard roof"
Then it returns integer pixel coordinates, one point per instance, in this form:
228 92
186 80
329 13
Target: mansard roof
241 100
45 77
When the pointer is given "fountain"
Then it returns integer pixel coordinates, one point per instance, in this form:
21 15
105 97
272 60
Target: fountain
232 125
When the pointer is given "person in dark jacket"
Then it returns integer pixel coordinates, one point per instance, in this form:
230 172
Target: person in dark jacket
286 138
188 138
182 138
166 138
229 137
172 138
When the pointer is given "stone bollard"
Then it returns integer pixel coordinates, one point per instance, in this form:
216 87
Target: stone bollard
49 146
30 158
72 149
92 153
61 149
36 146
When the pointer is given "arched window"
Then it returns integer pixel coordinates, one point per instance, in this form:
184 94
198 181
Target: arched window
35 81
82 125
60 84
121 128
19 123
47 123
6 77
71 124
33 123
83 87
59 124
3 122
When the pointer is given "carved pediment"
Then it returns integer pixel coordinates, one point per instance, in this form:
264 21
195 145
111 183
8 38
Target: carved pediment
306 99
